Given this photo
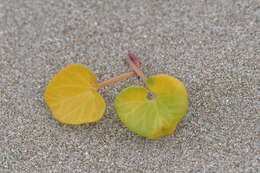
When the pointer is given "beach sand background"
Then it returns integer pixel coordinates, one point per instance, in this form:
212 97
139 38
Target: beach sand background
211 45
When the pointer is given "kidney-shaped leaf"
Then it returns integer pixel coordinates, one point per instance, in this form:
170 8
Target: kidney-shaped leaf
72 96
156 117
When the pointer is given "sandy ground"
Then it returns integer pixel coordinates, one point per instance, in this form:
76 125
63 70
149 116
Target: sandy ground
211 45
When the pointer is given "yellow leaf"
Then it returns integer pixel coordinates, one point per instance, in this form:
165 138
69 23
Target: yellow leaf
72 96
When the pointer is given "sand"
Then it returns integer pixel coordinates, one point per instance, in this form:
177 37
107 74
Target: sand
212 46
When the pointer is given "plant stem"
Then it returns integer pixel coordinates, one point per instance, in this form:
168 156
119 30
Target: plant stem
136 69
116 79
141 75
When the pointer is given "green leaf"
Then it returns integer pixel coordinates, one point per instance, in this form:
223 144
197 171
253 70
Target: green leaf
157 117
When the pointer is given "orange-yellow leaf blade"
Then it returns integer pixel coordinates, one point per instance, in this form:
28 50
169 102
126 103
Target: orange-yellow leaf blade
72 96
